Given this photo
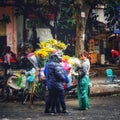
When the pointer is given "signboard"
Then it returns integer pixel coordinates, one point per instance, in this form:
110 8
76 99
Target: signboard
116 30
118 8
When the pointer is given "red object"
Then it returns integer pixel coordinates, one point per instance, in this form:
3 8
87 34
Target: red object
12 60
114 53
51 16
74 82
1 60
65 86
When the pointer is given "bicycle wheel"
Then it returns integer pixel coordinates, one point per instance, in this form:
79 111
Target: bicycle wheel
25 97
41 93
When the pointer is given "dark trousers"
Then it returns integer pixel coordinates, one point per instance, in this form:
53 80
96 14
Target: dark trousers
61 98
6 67
48 102
56 98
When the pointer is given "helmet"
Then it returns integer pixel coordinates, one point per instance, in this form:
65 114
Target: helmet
27 46
57 55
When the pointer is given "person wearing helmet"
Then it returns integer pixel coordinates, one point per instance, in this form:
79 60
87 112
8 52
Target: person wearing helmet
31 66
57 56
55 78
30 56
115 56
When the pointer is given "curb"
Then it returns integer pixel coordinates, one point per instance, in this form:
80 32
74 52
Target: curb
101 89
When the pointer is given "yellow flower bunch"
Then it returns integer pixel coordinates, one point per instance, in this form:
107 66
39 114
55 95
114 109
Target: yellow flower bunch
44 52
61 45
57 44
71 61
50 50
42 44
52 42
47 47
66 57
41 53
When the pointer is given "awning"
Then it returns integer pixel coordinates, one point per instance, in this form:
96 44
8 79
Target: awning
112 36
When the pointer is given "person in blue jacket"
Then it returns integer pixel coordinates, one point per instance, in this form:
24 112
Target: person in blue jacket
55 79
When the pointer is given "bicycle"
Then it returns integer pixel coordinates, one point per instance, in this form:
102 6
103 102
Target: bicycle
37 90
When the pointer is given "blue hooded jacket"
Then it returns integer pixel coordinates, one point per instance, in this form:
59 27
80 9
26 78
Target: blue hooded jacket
55 74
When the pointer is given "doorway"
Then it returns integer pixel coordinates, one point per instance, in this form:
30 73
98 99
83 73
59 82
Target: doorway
3 37
2 44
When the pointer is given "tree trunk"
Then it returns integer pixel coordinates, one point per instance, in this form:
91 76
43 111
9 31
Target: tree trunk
80 29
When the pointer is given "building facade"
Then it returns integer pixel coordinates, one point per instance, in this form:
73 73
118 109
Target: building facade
8 31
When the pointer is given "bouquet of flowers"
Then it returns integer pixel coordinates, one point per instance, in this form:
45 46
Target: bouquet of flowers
46 48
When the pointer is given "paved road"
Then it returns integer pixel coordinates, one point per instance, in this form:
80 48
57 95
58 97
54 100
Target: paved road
102 108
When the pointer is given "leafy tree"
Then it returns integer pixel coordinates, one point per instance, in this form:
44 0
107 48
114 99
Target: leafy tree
70 17
112 12
67 15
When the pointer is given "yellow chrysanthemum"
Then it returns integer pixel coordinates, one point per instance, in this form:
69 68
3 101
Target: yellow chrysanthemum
40 53
61 45
44 52
53 42
47 47
49 50
66 57
43 44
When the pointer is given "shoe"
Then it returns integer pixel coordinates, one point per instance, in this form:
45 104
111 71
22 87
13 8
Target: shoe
66 112
52 112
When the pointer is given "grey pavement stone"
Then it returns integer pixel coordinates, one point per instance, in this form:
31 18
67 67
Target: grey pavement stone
99 86
102 108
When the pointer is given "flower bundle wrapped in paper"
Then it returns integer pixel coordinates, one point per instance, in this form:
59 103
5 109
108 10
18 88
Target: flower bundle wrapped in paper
46 48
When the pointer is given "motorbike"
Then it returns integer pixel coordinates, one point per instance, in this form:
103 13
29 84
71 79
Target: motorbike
16 85
19 84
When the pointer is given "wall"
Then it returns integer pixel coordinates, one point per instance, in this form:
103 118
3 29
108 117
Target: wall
19 25
10 27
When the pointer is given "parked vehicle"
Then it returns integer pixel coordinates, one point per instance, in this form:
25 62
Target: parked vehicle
21 86
16 85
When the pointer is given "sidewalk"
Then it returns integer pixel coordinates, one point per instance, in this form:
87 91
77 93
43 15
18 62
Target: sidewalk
99 87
